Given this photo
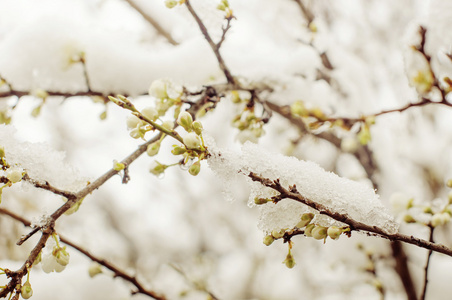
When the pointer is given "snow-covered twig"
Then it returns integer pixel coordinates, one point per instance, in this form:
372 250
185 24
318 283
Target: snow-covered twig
292 193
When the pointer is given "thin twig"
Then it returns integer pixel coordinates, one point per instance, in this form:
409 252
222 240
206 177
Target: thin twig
160 30
117 271
48 229
212 44
427 264
309 16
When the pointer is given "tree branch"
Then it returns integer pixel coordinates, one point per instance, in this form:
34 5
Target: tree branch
117 272
354 225
160 30
427 264
215 47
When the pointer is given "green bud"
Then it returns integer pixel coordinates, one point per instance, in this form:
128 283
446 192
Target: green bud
409 219
74 208
94 269
158 88
308 229
103 115
150 113
168 125
117 166
178 150
319 232
289 261
153 148
62 256
185 120
277 234
305 220
428 210
171 3
157 168
197 127
26 291
195 168
297 108
334 232
268 240
235 97
364 136
192 140
260 201
40 93
36 111
449 183
15 174
2 152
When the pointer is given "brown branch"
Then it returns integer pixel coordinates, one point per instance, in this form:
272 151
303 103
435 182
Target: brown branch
293 194
427 264
309 16
215 48
402 269
48 228
160 30
117 272
47 186
225 30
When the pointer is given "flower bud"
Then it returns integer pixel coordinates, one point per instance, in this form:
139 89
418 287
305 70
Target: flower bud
2 152
103 115
449 183
14 174
26 291
334 232
117 166
268 240
260 201
62 256
94 269
170 4
197 127
235 97
40 93
409 219
36 111
168 125
153 148
158 87
195 168
308 230
178 150
137 133
364 136
277 234
440 219
192 140
185 120
133 122
150 113
349 144
289 261
297 108
305 220
319 232
157 168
